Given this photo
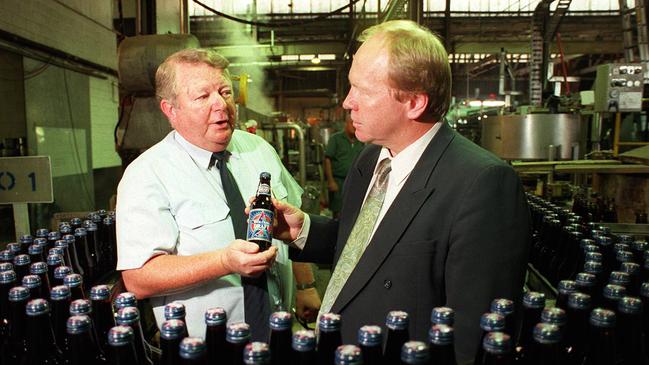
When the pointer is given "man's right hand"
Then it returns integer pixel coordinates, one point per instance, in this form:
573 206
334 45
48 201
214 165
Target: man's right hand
332 186
288 221
243 258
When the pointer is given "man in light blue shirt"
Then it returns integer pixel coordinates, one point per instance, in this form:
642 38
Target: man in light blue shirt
174 229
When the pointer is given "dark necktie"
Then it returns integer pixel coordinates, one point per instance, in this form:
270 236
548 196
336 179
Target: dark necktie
255 290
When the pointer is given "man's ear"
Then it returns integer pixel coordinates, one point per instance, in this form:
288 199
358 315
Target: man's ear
168 109
417 104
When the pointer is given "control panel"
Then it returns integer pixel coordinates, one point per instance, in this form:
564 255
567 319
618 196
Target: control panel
618 87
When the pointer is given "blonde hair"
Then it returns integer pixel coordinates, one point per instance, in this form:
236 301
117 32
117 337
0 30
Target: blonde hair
418 62
165 76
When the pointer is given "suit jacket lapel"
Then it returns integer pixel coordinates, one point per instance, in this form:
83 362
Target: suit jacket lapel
415 192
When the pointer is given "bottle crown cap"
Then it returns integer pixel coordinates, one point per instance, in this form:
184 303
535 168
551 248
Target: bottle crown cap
329 322
601 317
31 281
593 267
303 341
174 310
442 315
534 299
614 292
347 355
7 266
567 286
7 277
34 249
579 301
120 335
61 244
69 238
629 305
497 343
53 236
61 272
624 256
37 307
100 292
215 316
415 352
547 333
26 239
280 321
256 353
370 336
172 329
42 232
491 322
80 306
594 256
238 332
127 316
80 232
397 320
78 324
6 255
54 260
554 315
18 294
22 260
502 306
73 280
125 299
441 335
14 247
603 240
60 292
587 242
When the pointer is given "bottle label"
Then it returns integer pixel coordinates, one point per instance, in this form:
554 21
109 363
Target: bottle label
263 189
260 225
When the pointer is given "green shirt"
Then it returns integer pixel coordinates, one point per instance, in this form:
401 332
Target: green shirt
342 153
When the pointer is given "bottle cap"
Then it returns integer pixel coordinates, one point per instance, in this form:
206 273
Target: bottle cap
603 241
80 306
60 292
644 289
61 244
90 226
533 299
624 238
72 280
502 306
630 268
31 281
127 316
624 256
35 249
56 251
347 355
76 221
69 238
100 292
593 267
303 341
36 307
108 221
567 286
6 266
38 268
174 310
594 256
554 315
256 353
491 322
329 322
215 316
120 335
53 236
280 321
440 335
54 260
172 329
42 232
18 294
614 292
579 301
40 241
65 229
629 305
7 277
62 271
619 278
6 255
397 320
238 333
547 333
415 352
26 239
22 260
125 299
78 324
601 317
264 176
14 247
587 242
498 343
370 336
442 315
639 245
80 232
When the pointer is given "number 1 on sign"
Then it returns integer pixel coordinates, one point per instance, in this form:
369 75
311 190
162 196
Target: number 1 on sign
32 177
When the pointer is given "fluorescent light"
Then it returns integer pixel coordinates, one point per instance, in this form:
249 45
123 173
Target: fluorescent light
315 60
475 103
290 57
327 57
307 57
493 103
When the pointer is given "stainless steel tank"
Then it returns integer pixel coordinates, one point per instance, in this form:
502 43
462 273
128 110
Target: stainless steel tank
535 136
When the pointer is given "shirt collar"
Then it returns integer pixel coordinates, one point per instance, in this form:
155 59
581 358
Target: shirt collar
200 156
403 163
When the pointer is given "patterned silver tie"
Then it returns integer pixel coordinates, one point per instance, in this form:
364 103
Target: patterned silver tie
359 237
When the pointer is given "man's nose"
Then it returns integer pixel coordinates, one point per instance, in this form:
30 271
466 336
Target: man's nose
218 102
349 103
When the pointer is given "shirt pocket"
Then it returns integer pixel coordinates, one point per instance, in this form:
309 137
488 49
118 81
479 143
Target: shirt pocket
279 192
203 228
195 216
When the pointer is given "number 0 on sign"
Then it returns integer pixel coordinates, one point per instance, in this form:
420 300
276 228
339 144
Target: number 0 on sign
25 180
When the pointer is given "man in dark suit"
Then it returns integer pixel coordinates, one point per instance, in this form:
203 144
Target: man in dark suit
428 218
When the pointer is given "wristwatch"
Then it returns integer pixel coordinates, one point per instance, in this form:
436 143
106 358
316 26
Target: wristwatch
305 286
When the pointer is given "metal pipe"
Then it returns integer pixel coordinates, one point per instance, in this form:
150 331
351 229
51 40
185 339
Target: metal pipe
301 147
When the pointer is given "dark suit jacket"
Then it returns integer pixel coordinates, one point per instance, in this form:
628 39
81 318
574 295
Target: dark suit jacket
457 234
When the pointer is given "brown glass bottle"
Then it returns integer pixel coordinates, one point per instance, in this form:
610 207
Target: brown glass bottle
440 342
130 316
60 301
171 333
303 345
329 338
215 320
280 337
83 347
102 313
414 353
237 337
489 322
17 345
397 334
497 349
41 345
176 310
262 211
631 346
370 341
121 347
257 353
600 346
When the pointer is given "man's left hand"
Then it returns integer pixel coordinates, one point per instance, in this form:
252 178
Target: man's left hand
307 303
